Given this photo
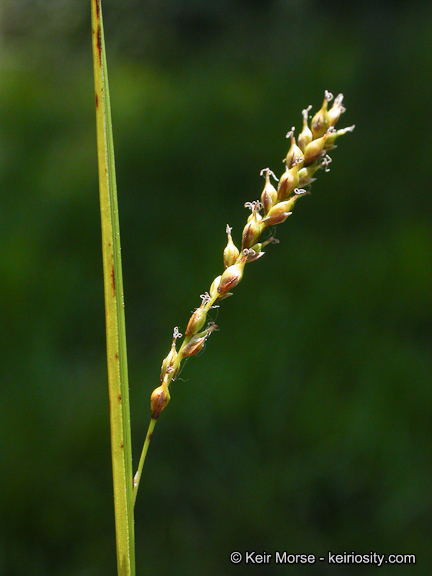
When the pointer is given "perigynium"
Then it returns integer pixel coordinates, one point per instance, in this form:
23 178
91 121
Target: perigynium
306 156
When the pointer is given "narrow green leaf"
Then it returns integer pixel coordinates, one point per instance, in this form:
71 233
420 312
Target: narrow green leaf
114 309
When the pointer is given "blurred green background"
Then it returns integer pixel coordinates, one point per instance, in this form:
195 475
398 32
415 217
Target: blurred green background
306 425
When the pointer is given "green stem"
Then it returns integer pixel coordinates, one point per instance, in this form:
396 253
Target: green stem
137 476
114 309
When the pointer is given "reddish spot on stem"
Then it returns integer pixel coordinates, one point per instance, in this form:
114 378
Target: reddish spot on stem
121 445
112 279
149 435
119 398
99 41
97 101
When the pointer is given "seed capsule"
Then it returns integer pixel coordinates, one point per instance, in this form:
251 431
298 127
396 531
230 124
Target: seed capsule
194 346
269 194
305 135
251 232
321 122
214 285
295 155
159 400
196 321
254 227
315 149
254 255
231 252
169 360
196 343
232 275
289 180
278 214
305 175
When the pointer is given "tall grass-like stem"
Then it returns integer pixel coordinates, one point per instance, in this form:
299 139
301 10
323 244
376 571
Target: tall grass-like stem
118 386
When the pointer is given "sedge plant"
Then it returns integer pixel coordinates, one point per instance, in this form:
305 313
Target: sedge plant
307 155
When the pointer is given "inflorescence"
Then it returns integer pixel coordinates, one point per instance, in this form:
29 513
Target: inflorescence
304 158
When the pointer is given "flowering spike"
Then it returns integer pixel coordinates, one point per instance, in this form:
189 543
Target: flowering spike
304 158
